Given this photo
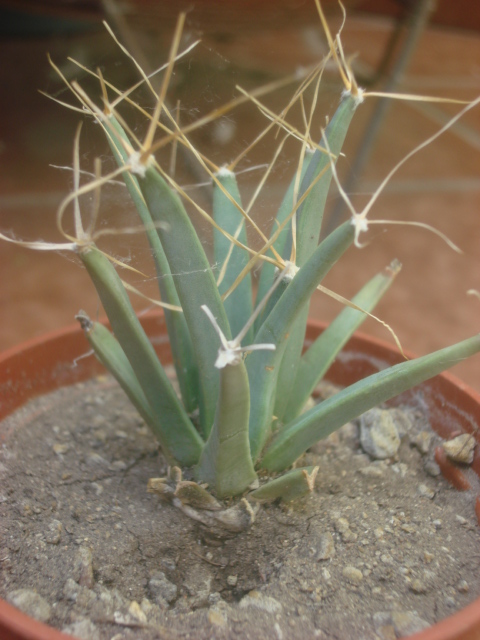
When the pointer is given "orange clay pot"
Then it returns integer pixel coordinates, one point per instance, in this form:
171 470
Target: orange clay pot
45 364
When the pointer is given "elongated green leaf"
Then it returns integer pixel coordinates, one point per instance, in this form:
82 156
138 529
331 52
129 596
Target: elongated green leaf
263 366
290 362
179 335
309 222
111 355
274 298
296 437
283 244
194 282
225 463
320 355
178 435
231 258
291 486
310 214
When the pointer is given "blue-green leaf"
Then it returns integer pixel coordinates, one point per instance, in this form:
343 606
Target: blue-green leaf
177 435
283 244
309 222
319 422
320 355
225 463
230 258
194 282
111 355
179 335
319 174
263 366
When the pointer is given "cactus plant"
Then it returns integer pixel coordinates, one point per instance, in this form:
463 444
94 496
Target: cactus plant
239 425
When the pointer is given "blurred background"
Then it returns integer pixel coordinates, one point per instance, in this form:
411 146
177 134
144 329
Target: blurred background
413 46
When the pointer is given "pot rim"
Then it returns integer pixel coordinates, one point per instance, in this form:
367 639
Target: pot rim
462 625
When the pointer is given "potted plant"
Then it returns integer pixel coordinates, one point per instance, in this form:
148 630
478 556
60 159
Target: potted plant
234 432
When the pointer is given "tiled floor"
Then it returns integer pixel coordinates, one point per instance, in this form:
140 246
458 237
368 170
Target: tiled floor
428 306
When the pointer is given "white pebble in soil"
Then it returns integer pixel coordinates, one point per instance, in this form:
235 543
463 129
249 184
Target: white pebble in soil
161 589
461 448
326 547
260 601
83 630
352 575
378 434
30 603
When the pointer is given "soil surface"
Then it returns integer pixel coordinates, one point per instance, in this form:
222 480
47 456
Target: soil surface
380 549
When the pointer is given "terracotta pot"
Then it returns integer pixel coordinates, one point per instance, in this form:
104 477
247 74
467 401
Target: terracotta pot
50 362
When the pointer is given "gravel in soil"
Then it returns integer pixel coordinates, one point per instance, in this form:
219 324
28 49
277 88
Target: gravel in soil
383 547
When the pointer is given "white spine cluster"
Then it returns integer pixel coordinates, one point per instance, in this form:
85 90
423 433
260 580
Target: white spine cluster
231 352
137 166
289 272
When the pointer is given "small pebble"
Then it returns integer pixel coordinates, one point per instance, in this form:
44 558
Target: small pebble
148 608
402 420
400 468
417 586
386 632
83 630
326 547
260 601
60 449
83 567
406 623
342 525
352 574
54 533
96 460
118 465
71 589
214 597
135 611
279 632
378 434
349 536
198 584
386 558
96 488
422 441
432 468
31 603
463 586
461 448
408 528
382 619
425 491
170 565
216 618
232 581
373 470
161 589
